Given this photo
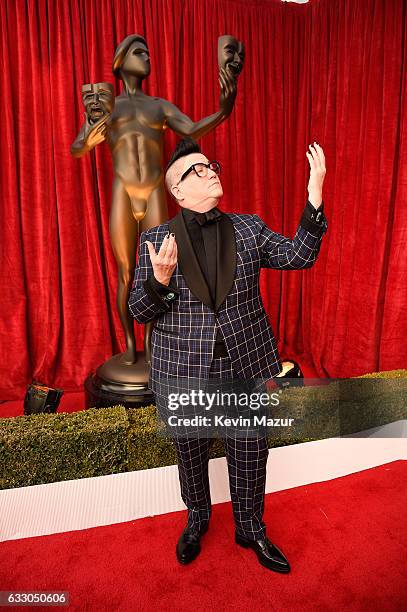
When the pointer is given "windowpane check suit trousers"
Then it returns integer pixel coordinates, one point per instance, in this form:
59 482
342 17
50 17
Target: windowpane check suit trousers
246 460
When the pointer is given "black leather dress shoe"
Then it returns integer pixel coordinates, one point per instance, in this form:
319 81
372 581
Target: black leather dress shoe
268 554
188 546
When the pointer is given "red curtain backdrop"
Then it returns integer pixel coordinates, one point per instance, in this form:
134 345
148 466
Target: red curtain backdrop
333 71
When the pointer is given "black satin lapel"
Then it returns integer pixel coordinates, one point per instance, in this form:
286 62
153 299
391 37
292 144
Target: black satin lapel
188 262
226 259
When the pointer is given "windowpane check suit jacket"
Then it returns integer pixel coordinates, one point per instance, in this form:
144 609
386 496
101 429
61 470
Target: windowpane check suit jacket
186 319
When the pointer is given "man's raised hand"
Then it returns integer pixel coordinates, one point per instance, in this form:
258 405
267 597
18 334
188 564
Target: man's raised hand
316 160
165 261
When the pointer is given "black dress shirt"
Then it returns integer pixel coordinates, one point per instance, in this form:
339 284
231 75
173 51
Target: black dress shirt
312 219
204 241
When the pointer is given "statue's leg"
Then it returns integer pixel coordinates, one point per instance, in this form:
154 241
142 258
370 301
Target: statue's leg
123 234
156 214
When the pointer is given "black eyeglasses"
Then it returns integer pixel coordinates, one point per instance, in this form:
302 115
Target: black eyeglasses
201 169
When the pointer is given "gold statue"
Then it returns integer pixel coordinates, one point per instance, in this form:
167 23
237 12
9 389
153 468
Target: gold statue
133 125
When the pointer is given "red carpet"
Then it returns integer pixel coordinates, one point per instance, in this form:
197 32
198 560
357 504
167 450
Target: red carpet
346 541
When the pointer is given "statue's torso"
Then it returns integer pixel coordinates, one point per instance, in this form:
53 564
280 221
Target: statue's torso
135 137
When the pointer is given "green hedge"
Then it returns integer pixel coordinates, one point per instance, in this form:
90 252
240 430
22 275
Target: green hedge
43 448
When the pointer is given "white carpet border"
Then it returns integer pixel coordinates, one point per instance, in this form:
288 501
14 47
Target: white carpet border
106 500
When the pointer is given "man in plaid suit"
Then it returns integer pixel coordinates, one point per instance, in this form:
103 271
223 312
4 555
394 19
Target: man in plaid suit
197 276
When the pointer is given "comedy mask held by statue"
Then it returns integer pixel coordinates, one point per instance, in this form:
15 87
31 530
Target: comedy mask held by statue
231 54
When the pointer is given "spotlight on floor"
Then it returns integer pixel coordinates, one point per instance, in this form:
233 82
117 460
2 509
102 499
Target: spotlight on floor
40 398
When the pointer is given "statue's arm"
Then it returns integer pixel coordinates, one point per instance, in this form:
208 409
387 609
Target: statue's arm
184 126
89 136
79 147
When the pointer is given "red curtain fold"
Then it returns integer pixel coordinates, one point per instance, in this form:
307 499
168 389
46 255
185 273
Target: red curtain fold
333 71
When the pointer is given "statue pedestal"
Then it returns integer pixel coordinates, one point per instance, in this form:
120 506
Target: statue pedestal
116 382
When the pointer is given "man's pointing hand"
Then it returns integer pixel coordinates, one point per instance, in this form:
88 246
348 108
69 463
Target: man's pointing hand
165 261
